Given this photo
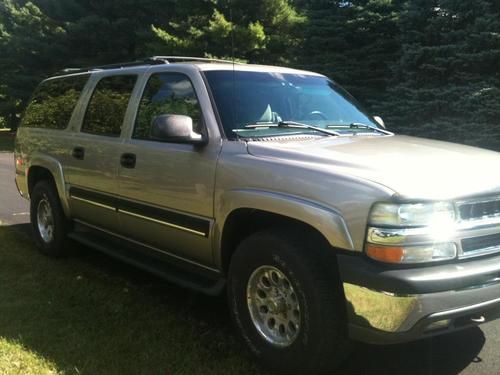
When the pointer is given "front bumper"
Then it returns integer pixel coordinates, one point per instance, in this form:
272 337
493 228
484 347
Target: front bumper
387 305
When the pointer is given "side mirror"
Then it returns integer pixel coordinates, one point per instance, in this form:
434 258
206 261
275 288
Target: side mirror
379 121
176 129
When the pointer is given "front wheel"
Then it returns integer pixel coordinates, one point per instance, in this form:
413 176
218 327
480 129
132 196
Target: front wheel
48 220
286 301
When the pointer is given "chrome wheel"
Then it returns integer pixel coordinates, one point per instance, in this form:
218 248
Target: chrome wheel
274 306
45 220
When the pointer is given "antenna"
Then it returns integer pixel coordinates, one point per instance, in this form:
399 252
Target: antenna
232 57
232 29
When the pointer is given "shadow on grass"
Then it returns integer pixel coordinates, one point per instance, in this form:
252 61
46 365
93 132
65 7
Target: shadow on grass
443 355
93 315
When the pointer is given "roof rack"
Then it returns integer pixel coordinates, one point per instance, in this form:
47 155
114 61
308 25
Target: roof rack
154 60
189 58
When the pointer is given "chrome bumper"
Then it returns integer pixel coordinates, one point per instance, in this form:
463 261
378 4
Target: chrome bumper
384 318
387 303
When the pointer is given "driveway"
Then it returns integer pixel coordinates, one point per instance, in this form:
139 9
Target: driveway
474 351
13 208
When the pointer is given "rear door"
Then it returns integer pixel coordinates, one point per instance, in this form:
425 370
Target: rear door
167 194
92 172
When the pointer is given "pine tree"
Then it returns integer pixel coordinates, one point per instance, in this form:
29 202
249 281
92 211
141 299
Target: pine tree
447 82
263 31
430 67
354 42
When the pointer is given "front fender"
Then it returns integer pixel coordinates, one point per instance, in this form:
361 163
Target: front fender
327 221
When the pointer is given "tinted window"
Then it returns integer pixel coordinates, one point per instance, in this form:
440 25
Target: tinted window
108 105
167 93
53 102
260 98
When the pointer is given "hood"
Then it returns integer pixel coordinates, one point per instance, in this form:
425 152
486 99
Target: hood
414 168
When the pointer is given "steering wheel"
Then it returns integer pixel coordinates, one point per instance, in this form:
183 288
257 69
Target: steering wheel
319 114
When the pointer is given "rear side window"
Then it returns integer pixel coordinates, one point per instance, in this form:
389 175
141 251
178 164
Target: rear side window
53 102
107 107
167 93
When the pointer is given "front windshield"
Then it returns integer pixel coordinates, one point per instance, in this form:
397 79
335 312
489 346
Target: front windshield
246 99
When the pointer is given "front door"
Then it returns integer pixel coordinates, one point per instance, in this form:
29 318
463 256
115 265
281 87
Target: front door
166 194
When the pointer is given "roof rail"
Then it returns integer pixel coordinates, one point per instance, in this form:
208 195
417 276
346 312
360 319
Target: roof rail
147 61
154 60
190 58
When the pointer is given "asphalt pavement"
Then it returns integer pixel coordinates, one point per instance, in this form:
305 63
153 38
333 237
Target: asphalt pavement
13 208
474 351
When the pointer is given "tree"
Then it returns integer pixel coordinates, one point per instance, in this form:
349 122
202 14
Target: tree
430 67
353 42
28 50
446 83
41 37
261 31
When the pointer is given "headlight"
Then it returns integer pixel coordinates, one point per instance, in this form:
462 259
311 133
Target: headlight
412 214
411 232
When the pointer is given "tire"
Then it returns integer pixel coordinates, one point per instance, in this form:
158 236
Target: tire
50 225
319 343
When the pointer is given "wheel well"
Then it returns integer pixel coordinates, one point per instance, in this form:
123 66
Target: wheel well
243 222
36 174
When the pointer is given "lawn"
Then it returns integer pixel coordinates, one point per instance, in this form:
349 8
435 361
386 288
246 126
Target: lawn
88 314
6 140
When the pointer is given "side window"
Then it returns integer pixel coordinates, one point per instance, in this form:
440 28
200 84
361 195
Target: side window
167 93
108 104
53 102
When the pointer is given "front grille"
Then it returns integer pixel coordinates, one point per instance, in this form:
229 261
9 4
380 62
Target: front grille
481 243
483 209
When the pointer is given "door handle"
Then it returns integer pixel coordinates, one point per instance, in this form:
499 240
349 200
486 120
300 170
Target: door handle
128 160
78 153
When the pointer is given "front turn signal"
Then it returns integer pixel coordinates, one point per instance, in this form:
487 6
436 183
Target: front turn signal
412 254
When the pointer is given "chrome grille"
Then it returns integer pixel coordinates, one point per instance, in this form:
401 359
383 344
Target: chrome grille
479 209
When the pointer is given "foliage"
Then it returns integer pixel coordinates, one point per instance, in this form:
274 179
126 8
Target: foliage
29 49
429 67
353 42
448 73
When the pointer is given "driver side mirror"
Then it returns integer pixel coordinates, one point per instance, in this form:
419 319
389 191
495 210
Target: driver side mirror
379 121
175 129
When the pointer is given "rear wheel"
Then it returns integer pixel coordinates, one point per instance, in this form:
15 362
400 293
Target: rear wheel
286 301
49 223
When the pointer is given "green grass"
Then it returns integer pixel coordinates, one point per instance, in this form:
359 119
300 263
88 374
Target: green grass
6 140
89 314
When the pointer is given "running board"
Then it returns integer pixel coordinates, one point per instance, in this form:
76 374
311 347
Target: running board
193 280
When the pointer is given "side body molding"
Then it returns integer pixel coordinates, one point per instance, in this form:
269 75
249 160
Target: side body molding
55 168
327 221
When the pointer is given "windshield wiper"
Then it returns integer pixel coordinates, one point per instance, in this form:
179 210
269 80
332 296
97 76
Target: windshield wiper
292 125
358 125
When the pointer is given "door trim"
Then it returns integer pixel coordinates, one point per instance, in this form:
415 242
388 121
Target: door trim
172 219
166 223
92 203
